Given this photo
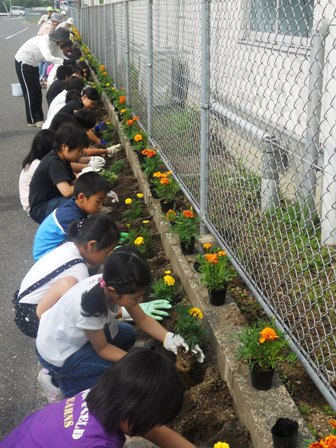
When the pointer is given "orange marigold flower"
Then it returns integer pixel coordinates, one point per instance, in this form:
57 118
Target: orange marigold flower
148 153
171 214
188 214
135 118
330 441
317 445
122 99
211 258
332 422
207 246
102 67
129 122
164 181
138 138
267 334
221 253
105 73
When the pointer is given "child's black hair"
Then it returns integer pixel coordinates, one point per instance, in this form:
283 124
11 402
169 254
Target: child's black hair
71 135
91 93
42 144
99 228
75 83
143 389
63 71
85 118
60 118
90 183
71 95
127 271
83 69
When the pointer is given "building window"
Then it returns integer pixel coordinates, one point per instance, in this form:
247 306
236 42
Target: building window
281 18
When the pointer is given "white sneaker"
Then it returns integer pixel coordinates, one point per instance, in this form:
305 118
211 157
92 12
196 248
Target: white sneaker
111 150
39 124
52 392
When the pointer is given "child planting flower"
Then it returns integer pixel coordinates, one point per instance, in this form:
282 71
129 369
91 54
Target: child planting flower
190 327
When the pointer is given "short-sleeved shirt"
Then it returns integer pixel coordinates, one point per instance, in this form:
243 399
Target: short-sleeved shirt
51 171
46 265
53 230
62 328
56 87
67 423
24 183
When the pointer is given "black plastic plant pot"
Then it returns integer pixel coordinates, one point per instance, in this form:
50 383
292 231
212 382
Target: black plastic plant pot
188 248
284 433
166 205
217 297
261 379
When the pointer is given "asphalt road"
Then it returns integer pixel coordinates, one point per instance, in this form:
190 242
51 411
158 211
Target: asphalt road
19 394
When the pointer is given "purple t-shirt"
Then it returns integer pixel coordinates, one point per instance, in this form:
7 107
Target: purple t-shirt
66 423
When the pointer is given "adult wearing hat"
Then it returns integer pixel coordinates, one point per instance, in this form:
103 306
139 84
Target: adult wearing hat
50 25
48 48
67 24
45 17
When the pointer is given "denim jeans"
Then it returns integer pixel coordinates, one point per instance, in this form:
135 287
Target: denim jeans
83 369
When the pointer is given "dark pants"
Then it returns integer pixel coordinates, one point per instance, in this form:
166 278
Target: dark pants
31 88
39 213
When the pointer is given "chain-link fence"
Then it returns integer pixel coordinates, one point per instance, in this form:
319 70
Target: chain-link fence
240 97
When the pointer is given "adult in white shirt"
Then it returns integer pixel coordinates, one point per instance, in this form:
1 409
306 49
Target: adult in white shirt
30 54
45 17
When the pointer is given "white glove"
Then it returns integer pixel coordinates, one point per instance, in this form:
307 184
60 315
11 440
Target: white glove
153 309
172 341
111 150
87 169
97 162
113 195
199 353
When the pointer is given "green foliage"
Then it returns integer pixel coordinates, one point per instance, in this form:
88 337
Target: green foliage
165 185
134 209
189 325
140 239
151 164
262 345
186 226
117 167
215 269
110 176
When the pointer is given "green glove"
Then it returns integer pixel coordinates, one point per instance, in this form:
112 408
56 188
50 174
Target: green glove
153 308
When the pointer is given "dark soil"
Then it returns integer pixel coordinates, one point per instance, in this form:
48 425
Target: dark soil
208 415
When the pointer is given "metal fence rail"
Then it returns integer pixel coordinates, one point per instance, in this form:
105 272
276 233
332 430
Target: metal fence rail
240 97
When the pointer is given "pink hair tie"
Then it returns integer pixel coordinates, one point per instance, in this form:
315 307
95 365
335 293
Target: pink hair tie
102 282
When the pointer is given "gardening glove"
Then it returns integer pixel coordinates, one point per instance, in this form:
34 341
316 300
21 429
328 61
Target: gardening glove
97 162
172 341
199 353
153 309
111 150
113 195
87 169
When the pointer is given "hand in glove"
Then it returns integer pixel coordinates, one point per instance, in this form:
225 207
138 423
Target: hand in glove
111 150
97 162
199 353
172 341
153 309
113 195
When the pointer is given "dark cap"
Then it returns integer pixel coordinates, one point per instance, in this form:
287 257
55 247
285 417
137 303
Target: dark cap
61 35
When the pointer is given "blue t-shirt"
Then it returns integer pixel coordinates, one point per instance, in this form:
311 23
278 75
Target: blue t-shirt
53 230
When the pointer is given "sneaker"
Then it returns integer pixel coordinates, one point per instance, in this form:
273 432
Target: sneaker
31 125
113 150
52 392
39 124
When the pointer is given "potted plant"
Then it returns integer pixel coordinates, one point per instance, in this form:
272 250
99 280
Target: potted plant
216 271
151 161
189 326
165 288
187 228
263 347
166 188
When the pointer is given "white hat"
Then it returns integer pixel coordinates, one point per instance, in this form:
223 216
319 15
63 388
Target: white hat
70 21
63 13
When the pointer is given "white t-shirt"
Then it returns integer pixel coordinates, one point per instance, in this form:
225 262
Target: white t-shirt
57 103
47 264
24 182
61 329
38 49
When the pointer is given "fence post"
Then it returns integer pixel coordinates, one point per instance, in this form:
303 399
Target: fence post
271 157
310 156
205 96
149 66
114 58
126 23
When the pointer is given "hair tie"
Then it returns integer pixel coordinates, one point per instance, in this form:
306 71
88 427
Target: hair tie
102 282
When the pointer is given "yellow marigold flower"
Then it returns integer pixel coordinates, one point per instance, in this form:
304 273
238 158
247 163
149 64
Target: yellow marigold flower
169 173
211 258
128 225
105 73
221 253
171 214
128 201
188 214
102 67
267 334
108 122
123 111
157 174
122 99
140 195
146 221
139 241
196 312
167 272
164 181
138 138
207 246
107 84
169 280
221 445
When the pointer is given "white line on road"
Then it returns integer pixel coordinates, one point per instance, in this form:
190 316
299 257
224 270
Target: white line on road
16 33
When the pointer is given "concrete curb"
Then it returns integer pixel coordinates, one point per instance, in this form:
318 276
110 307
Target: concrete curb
258 410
